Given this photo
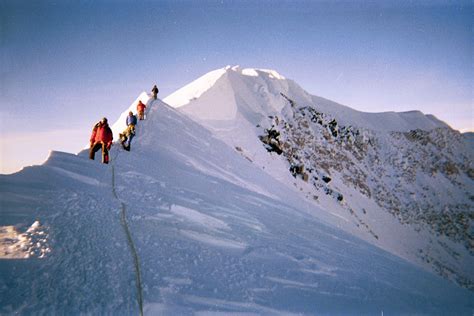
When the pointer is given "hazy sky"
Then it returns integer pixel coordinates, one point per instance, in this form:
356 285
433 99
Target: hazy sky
65 64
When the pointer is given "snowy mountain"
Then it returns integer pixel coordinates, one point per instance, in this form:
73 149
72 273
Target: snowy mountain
403 181
200 218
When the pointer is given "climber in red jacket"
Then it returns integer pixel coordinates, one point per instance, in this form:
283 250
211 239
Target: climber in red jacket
101 137
141 110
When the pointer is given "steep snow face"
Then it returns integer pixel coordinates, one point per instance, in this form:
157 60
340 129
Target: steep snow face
402 181
212 233
195 89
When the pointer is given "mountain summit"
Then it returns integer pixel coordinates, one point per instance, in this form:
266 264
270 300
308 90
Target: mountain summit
232 92
244 194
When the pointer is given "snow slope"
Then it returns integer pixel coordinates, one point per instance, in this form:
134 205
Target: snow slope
213 233
402 181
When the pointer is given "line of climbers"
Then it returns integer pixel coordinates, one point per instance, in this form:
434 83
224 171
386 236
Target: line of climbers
102 136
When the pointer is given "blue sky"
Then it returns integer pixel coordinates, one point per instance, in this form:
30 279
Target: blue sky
65 64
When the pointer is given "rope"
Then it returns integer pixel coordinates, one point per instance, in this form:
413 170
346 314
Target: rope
123 220
133 250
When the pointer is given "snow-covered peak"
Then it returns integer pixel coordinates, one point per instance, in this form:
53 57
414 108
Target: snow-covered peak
200 86
232 92
204 83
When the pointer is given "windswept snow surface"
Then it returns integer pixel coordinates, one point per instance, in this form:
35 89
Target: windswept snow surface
214 234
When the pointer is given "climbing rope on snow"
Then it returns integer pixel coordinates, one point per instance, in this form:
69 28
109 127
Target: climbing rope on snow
136 262
123 221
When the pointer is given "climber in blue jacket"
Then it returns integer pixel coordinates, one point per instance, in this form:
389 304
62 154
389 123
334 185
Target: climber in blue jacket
129 132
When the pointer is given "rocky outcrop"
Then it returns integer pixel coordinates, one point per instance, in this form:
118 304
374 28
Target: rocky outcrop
400 171
272 141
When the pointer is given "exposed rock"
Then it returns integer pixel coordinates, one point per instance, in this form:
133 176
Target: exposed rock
326 179
385 167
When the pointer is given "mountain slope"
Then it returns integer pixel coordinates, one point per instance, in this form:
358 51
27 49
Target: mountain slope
212 231
402 181
88 267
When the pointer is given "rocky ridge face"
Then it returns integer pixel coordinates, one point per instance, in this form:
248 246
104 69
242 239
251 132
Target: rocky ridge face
423 178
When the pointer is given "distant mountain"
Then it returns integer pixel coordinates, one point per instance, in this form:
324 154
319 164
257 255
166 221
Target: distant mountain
203 216
403 181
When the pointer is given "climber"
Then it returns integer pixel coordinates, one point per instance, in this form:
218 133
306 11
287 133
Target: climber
101 137
129 132
131 120
141 110
155 91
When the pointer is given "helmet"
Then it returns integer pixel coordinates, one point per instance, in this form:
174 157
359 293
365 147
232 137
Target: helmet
104 120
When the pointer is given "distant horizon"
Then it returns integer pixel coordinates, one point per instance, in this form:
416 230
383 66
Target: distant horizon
65 65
